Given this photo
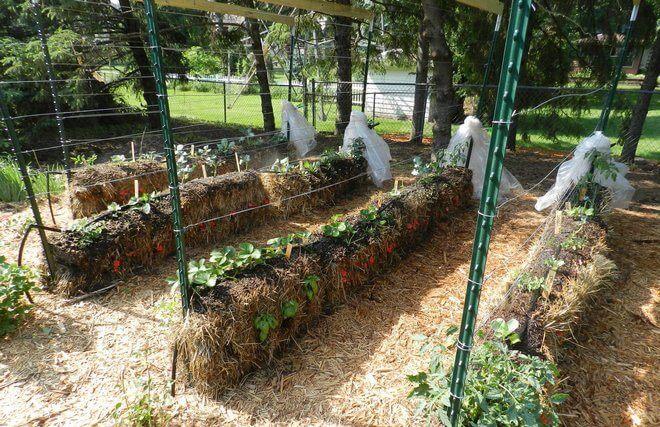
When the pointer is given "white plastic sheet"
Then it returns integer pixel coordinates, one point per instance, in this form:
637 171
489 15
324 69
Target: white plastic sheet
303 135
571 171
458 148
377 151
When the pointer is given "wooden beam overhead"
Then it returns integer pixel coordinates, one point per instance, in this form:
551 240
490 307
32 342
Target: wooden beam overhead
492 6
227 9
329 8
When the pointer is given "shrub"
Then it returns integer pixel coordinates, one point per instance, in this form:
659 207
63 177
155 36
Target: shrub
504 387
14 283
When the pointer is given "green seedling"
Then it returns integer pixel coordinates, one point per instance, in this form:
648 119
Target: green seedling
289 309
311 286
264 323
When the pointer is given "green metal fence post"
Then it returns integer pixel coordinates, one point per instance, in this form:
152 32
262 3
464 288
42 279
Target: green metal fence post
305 95
53 89
365 78
609 99
18 153
168 141
513 52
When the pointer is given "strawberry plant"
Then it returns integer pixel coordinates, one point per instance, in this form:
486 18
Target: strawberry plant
338 229
15 281
531 283
503 388
279 244
311 286
573 242
281 166
373 219
142 203
554 263
264 323
87 231
289 309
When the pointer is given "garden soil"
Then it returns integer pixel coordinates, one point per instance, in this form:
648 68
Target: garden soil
73 362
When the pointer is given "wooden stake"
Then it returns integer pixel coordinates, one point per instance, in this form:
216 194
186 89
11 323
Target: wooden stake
558 218
238 162
204 170
396 185
136 186
289 248
133 150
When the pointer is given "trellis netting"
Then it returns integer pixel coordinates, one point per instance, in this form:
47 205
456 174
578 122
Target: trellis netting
456 154
294 124
377 152
572 171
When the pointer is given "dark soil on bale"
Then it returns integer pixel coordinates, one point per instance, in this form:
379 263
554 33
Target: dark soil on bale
530 307
219 342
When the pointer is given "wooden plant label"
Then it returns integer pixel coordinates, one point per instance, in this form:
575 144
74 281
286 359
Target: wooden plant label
396 185
204 174
558 219
238 162
136 187
289 248
549 280
133 150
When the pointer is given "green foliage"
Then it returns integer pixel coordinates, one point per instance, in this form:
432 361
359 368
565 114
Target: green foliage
554 263
201 62
574 242
338 229
11 182
530 283
582 213
311 286
84 160
88 232
264 323
310 167
279 244
357 148
373 219
504 387
142 203
141 407
289 309
282 166
329 156
14 283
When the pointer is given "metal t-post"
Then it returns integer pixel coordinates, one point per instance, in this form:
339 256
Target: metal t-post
506 94
53 89
18 153
314 102
168 141
609 99
224 100
365 78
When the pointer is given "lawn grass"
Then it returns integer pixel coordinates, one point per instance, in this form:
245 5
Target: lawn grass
245 110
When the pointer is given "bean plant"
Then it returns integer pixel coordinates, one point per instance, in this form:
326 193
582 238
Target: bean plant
15 281
503 388
264 323
311 286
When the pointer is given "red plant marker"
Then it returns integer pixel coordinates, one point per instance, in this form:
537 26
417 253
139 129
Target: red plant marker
116 265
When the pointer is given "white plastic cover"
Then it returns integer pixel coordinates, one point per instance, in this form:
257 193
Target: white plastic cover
458 148
571 171
303 135
377 151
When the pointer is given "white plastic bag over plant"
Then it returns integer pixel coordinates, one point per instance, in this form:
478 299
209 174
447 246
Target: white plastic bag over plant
377 152
456 154
303 135
571 171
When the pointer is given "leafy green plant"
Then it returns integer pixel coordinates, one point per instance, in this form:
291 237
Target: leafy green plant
151 156
582 213
531 283
289 309
118 158
329 156
503 388
83 160
574 242
281 166
141 407
88 231
15 281
357 148
338 229
310 167
142 203
264 323
554 264
279 244
311 286
373 219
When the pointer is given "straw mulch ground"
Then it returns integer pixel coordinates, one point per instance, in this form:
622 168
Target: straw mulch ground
71 364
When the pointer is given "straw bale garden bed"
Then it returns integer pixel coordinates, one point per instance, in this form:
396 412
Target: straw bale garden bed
249 303
139 234
566 274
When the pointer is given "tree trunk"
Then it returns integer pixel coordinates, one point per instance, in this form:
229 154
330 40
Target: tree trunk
343 33
262 75
443 109
137 46
421 80
641 109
